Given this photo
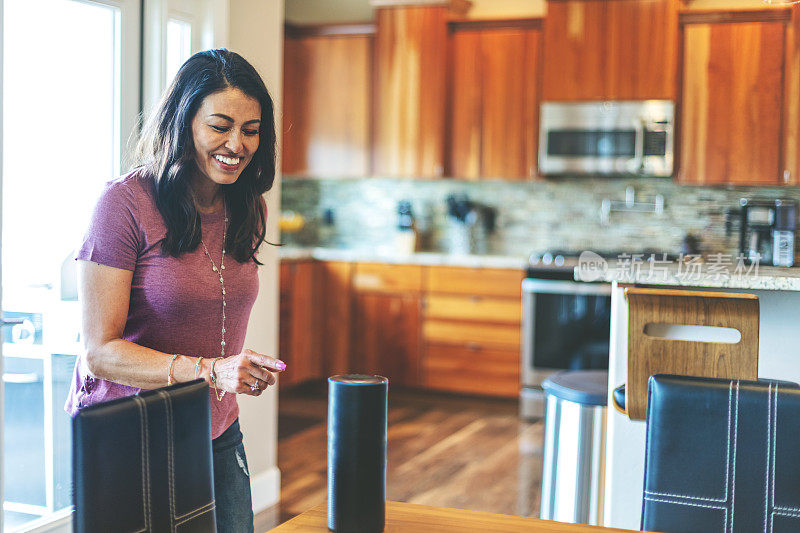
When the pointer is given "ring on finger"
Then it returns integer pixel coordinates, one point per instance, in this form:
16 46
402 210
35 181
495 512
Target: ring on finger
255 386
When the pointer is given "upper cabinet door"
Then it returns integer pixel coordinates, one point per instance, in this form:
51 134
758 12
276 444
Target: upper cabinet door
410 91
327 108
642 49
732 97
574 50
610 50
494 105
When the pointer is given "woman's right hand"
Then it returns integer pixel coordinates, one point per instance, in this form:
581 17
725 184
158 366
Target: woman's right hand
247 373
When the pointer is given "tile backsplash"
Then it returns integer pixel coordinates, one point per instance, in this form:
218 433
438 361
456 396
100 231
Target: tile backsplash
562 213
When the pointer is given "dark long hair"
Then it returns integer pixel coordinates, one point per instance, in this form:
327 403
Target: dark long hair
166 152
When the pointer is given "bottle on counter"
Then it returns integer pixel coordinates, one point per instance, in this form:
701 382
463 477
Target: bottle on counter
327 228
783 233
406 236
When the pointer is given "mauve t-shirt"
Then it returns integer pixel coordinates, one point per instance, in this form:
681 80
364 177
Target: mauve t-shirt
176 302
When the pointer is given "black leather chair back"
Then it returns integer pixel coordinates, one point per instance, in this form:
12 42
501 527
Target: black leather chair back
722 456
144 464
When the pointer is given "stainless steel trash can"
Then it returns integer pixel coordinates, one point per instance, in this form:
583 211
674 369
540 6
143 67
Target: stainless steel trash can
574 446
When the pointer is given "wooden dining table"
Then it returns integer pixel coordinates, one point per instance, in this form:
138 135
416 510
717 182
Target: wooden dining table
412 518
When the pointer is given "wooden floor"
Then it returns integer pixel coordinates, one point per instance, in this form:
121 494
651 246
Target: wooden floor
443 450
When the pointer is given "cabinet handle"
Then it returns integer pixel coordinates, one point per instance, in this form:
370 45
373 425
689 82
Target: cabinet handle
475 299
474 347
787 176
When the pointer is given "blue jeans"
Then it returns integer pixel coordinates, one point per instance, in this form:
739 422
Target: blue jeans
232 483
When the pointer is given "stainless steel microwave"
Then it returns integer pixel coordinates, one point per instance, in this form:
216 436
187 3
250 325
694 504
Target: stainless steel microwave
633 137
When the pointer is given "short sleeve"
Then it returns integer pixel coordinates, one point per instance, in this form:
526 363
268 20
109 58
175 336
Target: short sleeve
113 235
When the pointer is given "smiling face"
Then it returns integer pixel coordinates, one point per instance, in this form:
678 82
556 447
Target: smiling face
225 134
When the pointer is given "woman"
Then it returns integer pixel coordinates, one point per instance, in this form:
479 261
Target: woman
167 269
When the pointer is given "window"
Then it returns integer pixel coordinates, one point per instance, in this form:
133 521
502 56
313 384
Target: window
70 101
179 46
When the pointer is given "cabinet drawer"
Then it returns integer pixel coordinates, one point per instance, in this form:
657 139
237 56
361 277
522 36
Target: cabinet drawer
475 371
478 308
387 278
285 274
475 333
484 281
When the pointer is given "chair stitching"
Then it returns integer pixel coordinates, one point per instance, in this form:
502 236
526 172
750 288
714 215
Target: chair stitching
701 498
735 440
769 456
716 507
145 461
693 504
786 512
196 513
774 437
728 445
171 445
170 458
212 503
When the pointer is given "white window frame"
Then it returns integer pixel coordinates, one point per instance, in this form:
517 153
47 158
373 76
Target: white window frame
129 82
201 16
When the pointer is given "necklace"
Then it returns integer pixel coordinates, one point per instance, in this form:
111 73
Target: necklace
222 284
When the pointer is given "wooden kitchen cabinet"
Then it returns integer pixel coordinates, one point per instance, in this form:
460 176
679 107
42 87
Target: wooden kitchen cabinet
386 321
610 50
335 316
297 342
447 328
471 328
327 100
410 90
494 104
732 97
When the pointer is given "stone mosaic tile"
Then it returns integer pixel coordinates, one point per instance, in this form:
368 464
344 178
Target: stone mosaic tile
531 216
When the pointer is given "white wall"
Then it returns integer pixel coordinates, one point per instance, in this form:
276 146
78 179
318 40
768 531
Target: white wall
255 30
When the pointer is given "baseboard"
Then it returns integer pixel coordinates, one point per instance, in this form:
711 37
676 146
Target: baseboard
266 489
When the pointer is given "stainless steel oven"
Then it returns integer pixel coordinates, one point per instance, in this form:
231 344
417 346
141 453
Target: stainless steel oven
633 137
565 325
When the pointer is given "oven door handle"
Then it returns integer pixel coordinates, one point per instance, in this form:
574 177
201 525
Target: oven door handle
549 286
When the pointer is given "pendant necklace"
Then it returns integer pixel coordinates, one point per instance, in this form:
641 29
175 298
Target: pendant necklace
222 284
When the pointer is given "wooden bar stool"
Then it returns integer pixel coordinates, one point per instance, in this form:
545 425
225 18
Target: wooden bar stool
689 333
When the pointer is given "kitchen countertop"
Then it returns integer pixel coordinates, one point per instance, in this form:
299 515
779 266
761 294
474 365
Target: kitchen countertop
419 258
712 272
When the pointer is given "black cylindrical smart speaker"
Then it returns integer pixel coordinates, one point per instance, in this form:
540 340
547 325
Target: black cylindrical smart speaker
357 453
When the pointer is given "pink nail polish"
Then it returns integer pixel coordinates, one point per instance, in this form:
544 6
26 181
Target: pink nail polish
281 365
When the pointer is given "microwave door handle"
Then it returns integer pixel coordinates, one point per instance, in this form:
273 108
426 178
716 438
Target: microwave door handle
638 150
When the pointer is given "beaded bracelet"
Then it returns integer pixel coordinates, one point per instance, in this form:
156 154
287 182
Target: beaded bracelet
169 371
